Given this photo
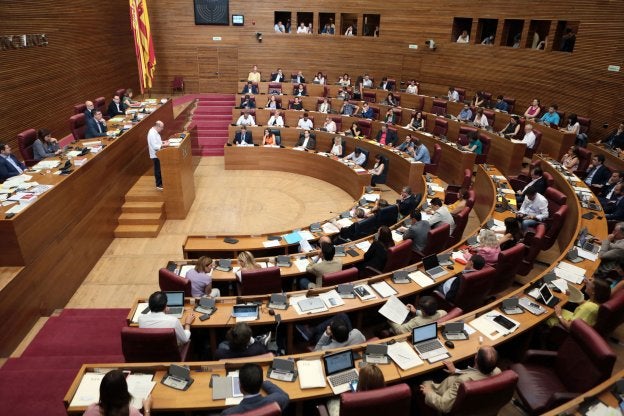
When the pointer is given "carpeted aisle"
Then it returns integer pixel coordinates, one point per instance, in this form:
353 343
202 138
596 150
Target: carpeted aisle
36 382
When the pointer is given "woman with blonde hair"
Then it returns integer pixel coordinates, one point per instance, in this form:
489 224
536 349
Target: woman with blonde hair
488 247
246 261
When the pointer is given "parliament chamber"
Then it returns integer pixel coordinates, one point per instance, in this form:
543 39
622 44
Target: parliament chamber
74 273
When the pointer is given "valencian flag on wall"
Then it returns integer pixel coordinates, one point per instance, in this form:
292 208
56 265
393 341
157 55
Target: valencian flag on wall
143 43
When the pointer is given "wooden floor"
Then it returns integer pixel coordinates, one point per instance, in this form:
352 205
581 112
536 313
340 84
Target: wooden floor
227 202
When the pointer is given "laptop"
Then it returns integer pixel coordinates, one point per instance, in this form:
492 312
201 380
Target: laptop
175 303
432 266
278 301
547 297
283 370
444 259
426 342
340 371
246 312
376 354
454 331
586 243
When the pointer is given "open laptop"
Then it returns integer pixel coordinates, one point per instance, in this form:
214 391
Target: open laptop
426 342
246 312
175 303
547 297
586 243
432 267
340 370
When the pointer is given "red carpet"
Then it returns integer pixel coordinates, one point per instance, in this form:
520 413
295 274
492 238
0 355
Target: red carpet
212 117
36 382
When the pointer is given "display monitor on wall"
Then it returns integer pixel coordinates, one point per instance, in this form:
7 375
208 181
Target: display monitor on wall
238 20
212 12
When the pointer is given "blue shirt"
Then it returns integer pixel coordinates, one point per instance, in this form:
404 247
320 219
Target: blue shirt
502 106
479 146
551 118
369 113
422 154
465 114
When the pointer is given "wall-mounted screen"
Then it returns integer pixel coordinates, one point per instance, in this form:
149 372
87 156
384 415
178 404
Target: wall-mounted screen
212 12
238 20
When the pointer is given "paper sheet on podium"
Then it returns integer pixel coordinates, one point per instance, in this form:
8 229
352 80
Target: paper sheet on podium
404 355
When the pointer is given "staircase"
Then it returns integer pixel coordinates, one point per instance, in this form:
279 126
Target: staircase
212 117
143 213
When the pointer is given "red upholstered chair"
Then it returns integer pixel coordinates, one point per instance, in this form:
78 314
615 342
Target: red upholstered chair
487 98
25 142
440 127
338 121
391 86
452 191
464 131
561 117
438 107
365 127
472 196
169 281
436 241
296 88
511 103
485 397
387 216
461 220
251 111
259 281
177 84
462 94
584 159
375 113
369 97
435 160
554 224
473 290
152 345
555 198
420 103
342 276
100 104
534 242
610 314
79 108
507 266
397 115
486 141
120 92
585 124
548 379
271 409
489 114
275 88
398 257
528 153
78 126
376 402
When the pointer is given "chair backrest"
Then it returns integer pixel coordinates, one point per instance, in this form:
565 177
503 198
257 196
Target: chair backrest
534 242
338 121
342 276
398 256
435 160
461 220
78 126
270 409
391 85
584 359
25 142
555 223
485 149
437 238
377 402
507 266
79 108
438 107
462 138
474 287
584 123
487 97
584 159
489 114
296 88
143 345
555 198
369 97
275 88
120 92
511 102
366 154
365 126
610 314
397 112
388 215
169 281
100 104
178 82
366 227
462 93
538 140
549 179
260 281
420 103
440 128
485 397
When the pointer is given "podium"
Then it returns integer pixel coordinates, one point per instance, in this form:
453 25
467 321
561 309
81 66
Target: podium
176 165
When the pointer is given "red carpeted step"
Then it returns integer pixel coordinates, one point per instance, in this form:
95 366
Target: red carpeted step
100 312
60 363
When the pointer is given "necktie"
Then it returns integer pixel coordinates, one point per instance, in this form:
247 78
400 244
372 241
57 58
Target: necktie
99 126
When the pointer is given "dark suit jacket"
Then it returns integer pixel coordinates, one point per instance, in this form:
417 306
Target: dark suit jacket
88 114
540 186
249 103
112 109
250 90
311 142
618 212
275 394
376 256
601 176
408 204
92 129
248 138
274 78
7 170
391 137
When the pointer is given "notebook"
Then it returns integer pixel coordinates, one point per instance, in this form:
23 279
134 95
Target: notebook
432 267
310 374
175 304
340 370
426 342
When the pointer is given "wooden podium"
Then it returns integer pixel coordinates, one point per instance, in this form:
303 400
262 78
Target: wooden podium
176 165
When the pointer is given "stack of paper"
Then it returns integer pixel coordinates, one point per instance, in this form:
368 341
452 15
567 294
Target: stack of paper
302 264
344 222
371 197
331 299
310 374
88 390
404 355
384 289
140 386
363 245
394 310
422 279
329 228
396 236
570 272
139 310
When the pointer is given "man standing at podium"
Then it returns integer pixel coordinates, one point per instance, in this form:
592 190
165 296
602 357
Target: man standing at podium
155 143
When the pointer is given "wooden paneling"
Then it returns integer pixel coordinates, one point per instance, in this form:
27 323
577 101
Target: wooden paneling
90 54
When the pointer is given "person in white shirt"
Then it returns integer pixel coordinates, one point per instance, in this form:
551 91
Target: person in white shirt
278 76
246 120
440 214
154 143
453 96
529 137
279 28
357 156
324 107
412 88
330 125
276 119
157 318
336 149
319 79
480 119
302 28
534 209
464 37
367 82
305 123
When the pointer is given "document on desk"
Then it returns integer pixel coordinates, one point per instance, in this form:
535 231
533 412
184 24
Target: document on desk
88 390
306 235
396 237
331 299
301 264
404 355
139 311
384 289
311 374
422 279
140 386
436 188
344 222
329 228
589 255
292 238
570 272
271 243
394 310
184 269
371 197
363 245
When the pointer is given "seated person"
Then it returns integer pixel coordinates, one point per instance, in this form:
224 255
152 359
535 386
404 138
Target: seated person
116 107
607 195
377 254
450 288
45 145
299 78
278 76
367 111
319 79
390 117
254 75
9 165
464 37
480 119
305 123
96 126
474 145
441 396
300 91
512 128
126 99
529 137
551 117
296 104
426 313
268 139
440 214
574 127
279 27
611 252
477 100
357 156
418 231
384 85
457 206
243 137
412 88
501 104
338 333
273 103
570 160
367 82
407 146
370 377
417 123
250 381
354 131
538 182
326 263
598 291
115 398
452 95
407 201
534 209
325 106
239 343
615 212
276 119
157 318
250 88
336 149
597 173
391 100
344 81
349 109
616 139
377 170
386 136
488 248
247 102
246 261
511 235
201 279
465 114
533 111
246 119
89 110
329 125
306 141
343 94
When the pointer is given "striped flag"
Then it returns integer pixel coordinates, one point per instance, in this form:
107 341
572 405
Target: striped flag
143 43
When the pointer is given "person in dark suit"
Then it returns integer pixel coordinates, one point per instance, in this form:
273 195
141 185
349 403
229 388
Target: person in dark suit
299 78
306 140
278 76
250 380
116 107
597 174
243 137
387 136
247 102
538 182
250 88
239 343
377 254
607 195
89 110
96 126
616 211
9 165
408 201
